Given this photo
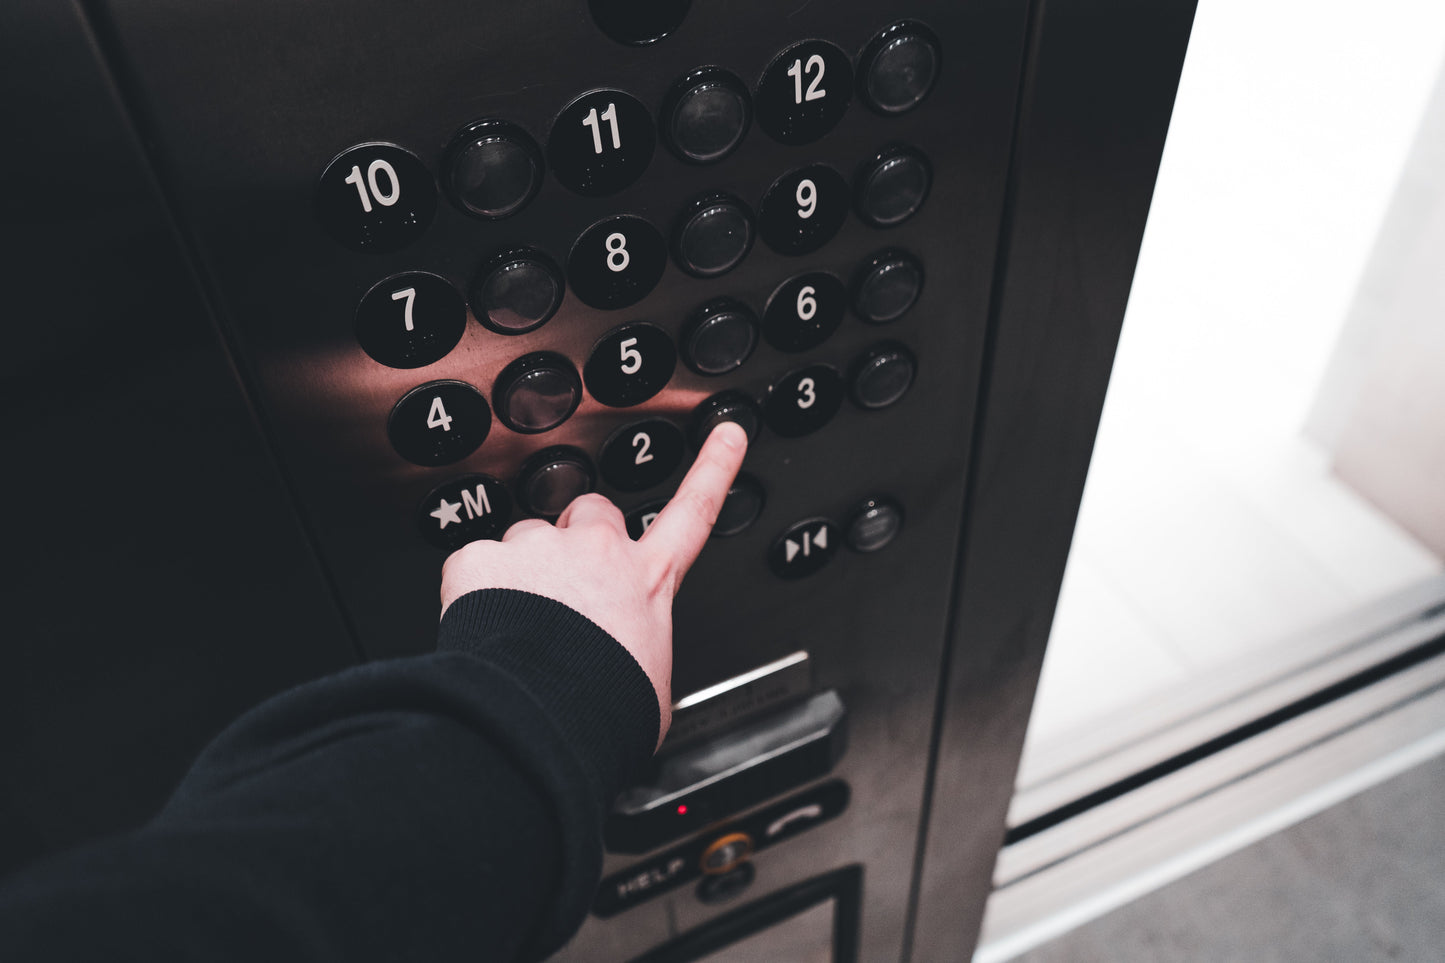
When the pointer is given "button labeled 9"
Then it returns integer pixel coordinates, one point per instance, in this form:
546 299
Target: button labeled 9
803 209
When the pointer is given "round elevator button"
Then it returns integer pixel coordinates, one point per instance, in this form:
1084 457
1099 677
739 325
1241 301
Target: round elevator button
803 401
883 375
517 291
638 22
898 67
640 519
803 209
804 548
616 262
804 312
886 286
719 337
742 506
464 510
493 169
439 423
376 198
552 478
731 406
713 235
892 186
726 853
410 320
641 455
874 524
601 143
804 92
706 115
537 392
629 365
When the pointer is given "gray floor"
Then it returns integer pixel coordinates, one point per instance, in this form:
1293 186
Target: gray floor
1362 881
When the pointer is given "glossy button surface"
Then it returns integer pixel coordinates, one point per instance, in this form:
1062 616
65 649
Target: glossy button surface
630 364
742 506
638 22
804 311
410 320
803 401
641 455
803 209
552 478
493 169
898 68
517 291
376 198
804 548
464 510
874 525
886 286
892 186
616 262
601 143
537 392
882 375
439 423
804 92
731 406
713 235
706 115
719 337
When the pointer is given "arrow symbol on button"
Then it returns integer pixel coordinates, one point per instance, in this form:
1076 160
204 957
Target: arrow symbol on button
793 548
821 539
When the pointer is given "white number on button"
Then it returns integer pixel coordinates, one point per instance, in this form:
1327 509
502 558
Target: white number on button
595 122
806 393
393 185
807 304
438 417
797 70
807 197
641 441
631 357
410 295
618 256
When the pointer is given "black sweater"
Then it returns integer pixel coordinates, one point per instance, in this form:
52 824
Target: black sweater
444 807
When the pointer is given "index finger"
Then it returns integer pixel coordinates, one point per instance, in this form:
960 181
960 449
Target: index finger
682 527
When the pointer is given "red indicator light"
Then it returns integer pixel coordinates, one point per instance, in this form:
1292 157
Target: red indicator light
682 810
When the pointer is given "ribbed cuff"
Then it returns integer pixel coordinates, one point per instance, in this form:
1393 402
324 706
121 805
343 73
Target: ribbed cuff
592 688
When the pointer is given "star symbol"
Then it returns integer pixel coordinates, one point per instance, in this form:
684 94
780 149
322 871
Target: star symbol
446 513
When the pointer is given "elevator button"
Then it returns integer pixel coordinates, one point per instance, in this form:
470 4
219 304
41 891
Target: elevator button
601 143
638 22
719 337
640 519
517 291
804 92
410 320
629 365
616 262
874 524
882 375
803 209
887 286
552 478
493 169
731 406
804 548
898 68
439 423
742 506
537 392
713 235
892 186
706 115
803 401
641 454
804 312
726 853
376 198
719 889
464 510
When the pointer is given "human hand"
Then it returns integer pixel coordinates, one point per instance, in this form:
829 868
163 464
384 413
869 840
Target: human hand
588 563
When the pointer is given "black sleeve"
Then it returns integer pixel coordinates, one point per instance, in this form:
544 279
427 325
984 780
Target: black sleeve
445 807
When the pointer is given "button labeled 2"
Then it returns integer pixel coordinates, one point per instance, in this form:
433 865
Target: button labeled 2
439 423
641 454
